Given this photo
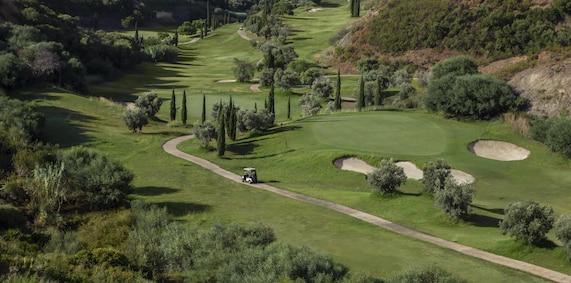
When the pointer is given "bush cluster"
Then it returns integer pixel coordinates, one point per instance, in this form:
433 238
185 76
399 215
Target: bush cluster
553 132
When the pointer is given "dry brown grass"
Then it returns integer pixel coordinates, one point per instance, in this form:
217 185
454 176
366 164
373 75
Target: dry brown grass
519 122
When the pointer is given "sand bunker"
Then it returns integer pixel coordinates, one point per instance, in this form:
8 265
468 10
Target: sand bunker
410 170
226 81
255 88
313 10
498 150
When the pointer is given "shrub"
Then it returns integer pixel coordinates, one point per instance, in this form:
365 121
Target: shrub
454 199
322 87
205 133
527 221
310 104
430 274
21 122
401 77
455 66
109 229
98 181
310 75
387 178
135 119
267 77
162 53
300 65
187 28
407 91
367 64
243 70
249 120
288 79
558 137
150 103
435 174
563 228
13 72
110 257
539 129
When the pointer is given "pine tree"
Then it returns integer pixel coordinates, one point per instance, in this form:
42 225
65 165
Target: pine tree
271 100
183 112
203 118
361 100
173 106
289 106
221 140
338 91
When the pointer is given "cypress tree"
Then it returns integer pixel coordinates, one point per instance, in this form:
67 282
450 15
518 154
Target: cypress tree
289 106
228 116
221 140
357 8
175 38
207 15
255 107
352 7
203 117
266 104
183 113
271 101
381 85
338 91
361 100
173 106
234 124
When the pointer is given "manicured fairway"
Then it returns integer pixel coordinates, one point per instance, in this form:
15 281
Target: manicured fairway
299 157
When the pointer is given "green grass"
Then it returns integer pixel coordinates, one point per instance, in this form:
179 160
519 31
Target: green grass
299 157
202 198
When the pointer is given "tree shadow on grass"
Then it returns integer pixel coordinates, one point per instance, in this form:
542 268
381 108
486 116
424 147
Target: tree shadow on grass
480 220
329 4
243 148
66 127
262 156
153 191
11 217
499 211
178 209
275 130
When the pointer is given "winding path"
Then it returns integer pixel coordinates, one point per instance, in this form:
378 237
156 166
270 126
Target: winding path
171 148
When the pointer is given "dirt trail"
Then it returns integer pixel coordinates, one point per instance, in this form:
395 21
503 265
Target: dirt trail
171 148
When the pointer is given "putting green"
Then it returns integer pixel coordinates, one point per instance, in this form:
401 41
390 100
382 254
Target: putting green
383 132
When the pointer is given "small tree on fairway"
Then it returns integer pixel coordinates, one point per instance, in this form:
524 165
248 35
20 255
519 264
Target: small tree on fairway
243 70
563 228
310 104
173 106
149 103
135 119
435 174
204 132
322 87
221 140
338 91
361 99
454 199
527 221
387 178
183 112
203 117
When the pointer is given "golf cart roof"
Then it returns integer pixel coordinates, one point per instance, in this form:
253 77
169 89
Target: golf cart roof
249 169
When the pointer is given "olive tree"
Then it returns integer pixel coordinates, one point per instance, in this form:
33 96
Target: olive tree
563 228
204 132
150 103
249 120
454 199
135 119
243 70
527 221
435 174
387 178
310 104
322 87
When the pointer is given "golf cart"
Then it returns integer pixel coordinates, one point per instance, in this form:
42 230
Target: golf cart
250 176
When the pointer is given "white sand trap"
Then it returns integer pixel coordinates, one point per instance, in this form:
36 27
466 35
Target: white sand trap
353 164
462 177
410 170
255 88
313 10
226 81
498 150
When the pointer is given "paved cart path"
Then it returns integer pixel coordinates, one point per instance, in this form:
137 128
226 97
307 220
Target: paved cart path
171 148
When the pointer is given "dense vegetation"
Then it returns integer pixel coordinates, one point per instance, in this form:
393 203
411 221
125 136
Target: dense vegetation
495 28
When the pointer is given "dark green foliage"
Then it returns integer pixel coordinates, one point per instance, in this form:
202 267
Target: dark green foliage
300 65
19 121
272 101
184 111
173 107
435 174
256 121
430 274
311 75
387 178
289 106
203 115
13 71
150 103
135 119
368 64
454 199
458 92
355 7
99 182
495 28
338 92
558 137
221 139
243 70
361 103
527 221
382 84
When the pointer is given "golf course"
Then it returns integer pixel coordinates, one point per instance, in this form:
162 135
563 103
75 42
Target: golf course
303 194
